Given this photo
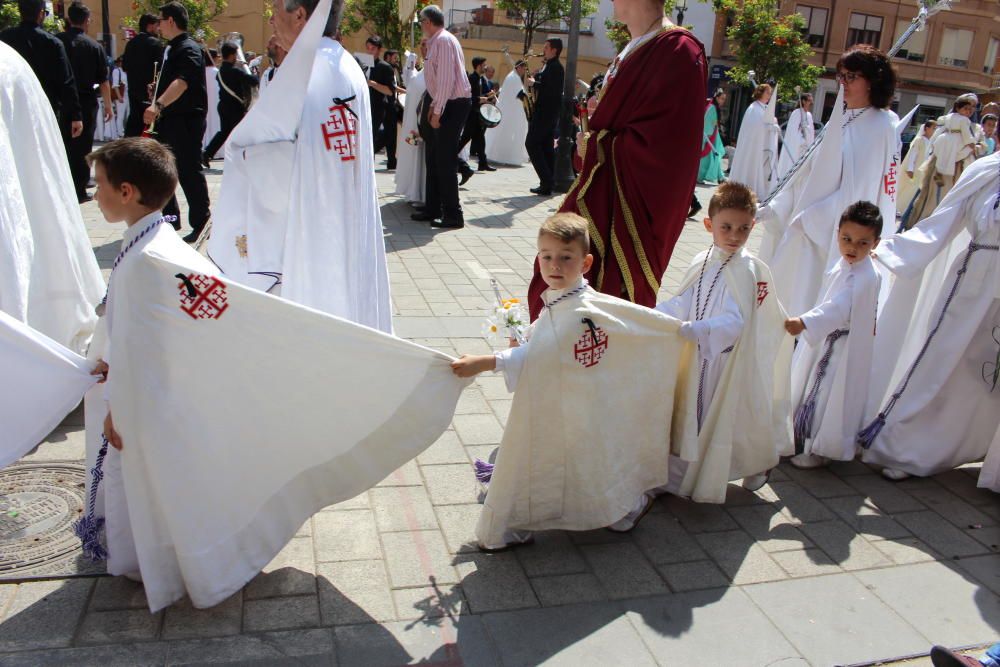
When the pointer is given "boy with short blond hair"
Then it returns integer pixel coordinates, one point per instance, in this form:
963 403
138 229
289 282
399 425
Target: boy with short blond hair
587 430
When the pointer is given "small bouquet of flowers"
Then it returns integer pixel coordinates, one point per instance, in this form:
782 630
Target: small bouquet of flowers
508 319
413 138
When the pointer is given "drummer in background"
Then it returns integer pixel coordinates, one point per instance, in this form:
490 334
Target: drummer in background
475 131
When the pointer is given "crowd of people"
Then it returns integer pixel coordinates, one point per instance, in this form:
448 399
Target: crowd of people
841 338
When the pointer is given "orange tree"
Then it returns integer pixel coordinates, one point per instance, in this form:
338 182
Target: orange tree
771 45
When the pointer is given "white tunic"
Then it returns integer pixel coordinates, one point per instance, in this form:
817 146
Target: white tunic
410 166
850 304
212 122
323 242
949 412
858 163
587 433
799 135
918 153
755 162
505 142
49 277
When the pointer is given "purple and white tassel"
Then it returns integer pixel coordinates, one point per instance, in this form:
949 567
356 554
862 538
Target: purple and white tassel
484 471
89 527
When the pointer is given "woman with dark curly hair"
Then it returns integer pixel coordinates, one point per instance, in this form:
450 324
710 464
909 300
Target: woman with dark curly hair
859 164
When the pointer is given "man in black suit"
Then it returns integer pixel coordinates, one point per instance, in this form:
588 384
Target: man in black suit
142 53
180 112
475 131
90 69
235 91
47 57
382 89
540 141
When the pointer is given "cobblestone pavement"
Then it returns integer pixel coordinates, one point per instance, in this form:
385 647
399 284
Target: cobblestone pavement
830 567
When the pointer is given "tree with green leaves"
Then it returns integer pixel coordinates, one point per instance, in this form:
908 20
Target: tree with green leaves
380 17
618 33
201 13
771 45
10 17
536 13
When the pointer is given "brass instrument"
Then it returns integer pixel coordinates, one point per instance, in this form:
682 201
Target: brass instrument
527 96
157 72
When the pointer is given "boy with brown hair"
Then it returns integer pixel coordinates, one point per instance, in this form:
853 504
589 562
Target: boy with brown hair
587 431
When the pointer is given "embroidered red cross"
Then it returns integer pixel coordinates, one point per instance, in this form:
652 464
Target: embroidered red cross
591 347
340 132
762 293
209 300
889 181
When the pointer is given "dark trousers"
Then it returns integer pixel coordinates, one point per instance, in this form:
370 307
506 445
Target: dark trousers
385 128
227 123
540 144
441 158
474 134
79 148
133 124
183 134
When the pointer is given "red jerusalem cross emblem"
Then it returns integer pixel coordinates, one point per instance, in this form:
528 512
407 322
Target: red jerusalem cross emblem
889 181
340 132
591 346
202 297
761 293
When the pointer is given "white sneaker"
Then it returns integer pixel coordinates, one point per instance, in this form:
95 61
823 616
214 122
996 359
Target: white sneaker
895 474
756 482
807 461
632 519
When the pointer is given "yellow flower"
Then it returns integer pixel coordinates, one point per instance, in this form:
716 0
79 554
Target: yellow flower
493 328
506 306
514 301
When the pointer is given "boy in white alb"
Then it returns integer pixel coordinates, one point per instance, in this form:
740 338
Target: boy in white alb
587 430
731 386
832 364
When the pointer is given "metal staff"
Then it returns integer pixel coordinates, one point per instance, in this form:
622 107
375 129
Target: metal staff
928 8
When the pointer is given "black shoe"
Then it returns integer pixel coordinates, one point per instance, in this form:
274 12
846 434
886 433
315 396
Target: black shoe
206 161
694 210
448 224
486 167
544 192
423 217
467 173
192 237
84 198
390 167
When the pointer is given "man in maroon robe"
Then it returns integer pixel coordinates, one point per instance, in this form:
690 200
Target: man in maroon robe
639 166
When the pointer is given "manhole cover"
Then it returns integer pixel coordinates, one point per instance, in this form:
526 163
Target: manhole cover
38 505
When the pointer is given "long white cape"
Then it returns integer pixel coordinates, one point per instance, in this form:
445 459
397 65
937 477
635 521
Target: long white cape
410 167
243 414
799 134
43 382
589 428
743 432
948 414
48 274
755 163
505 142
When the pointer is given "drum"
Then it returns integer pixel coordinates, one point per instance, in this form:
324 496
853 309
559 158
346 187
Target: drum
490 115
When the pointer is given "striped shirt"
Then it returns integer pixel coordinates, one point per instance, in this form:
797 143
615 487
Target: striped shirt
444 72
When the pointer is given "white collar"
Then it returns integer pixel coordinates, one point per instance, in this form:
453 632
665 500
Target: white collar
136 229
550 295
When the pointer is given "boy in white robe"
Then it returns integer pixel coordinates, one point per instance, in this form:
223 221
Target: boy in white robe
832 365
942 407
587 433
732 392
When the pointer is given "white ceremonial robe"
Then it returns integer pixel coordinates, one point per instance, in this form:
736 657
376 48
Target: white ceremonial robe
920 150
323 242
227 449
118 79
49 277
800 132
755 162
411 169
745 389
948 414
213 123
588 432
43 382
505 142
989 476
850 302
857 163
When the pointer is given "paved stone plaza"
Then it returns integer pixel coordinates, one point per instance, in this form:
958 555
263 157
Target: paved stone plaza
830 567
